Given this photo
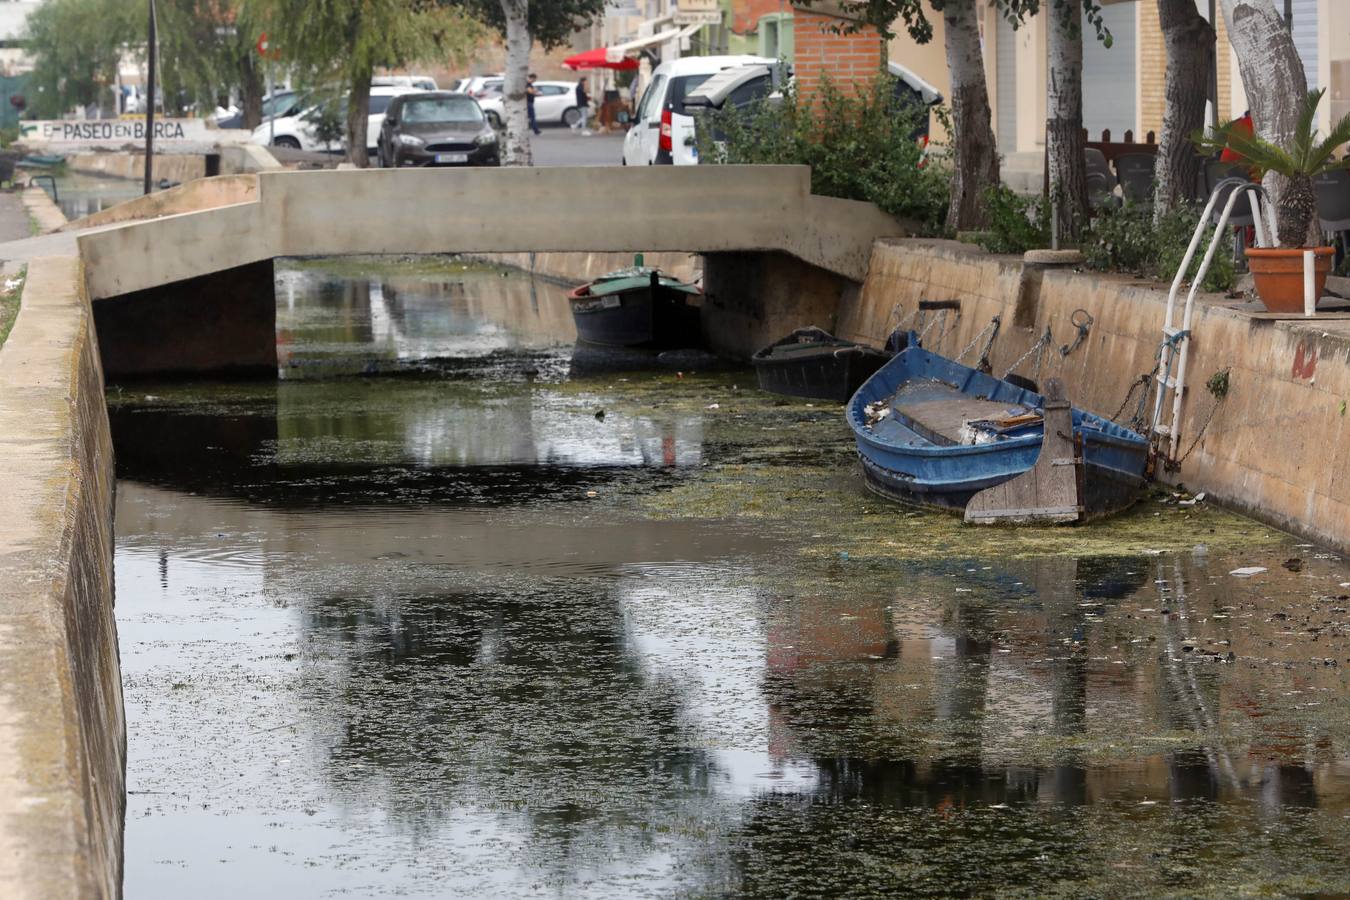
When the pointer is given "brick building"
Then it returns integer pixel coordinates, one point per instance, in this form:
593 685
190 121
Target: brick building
830 43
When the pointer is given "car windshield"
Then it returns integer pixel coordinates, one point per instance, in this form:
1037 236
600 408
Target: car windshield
442 109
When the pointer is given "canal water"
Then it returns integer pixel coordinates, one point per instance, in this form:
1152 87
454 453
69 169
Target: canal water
447 610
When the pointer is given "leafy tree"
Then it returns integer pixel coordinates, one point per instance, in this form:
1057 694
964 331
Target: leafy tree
76 47
344 41
521 24
976 159
1190 42
207 48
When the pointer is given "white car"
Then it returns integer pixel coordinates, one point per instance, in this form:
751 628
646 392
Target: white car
556 104
663 131
424 82
297 131
476 86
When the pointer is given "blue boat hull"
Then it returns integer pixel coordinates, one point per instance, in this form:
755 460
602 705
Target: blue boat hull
901 463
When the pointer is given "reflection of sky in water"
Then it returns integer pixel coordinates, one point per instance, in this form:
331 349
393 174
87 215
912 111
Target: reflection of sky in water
329 321
444 424
454 698
688 625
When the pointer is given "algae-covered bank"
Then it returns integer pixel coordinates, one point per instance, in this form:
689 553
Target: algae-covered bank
449 610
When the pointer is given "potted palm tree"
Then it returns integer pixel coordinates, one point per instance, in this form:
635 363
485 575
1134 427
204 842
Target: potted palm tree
1278 271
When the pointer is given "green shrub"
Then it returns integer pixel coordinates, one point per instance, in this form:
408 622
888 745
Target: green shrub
1016 223
858 147
1127 240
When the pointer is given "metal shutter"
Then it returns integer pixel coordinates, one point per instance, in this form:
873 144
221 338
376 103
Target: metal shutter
1305 36
1005 75
1109 74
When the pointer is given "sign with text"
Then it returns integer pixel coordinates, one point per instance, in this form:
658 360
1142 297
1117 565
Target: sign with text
114 134
698 12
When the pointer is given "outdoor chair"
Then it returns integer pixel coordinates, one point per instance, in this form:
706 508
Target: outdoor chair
1333 206
1134 171
1101 184
1096 161
1100 190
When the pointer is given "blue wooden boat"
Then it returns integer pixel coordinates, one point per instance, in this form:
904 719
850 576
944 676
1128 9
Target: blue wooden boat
935 433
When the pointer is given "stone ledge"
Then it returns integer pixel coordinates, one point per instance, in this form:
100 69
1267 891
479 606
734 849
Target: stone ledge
62 729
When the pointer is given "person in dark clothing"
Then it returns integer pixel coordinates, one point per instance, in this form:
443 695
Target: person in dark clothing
583 107
530 93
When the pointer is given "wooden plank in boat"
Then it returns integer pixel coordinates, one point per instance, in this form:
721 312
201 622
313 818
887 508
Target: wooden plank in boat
941 420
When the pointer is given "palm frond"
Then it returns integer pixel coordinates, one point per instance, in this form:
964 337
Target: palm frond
1305 132
1321 160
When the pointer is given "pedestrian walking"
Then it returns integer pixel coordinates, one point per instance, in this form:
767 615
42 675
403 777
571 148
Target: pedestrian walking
530 93
583 107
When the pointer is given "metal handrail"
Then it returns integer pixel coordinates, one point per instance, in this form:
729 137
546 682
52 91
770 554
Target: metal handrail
33 182
1170 331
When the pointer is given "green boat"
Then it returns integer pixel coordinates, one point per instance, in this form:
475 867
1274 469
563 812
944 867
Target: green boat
638 307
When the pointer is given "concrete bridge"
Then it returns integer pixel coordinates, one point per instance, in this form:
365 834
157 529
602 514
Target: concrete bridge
192 291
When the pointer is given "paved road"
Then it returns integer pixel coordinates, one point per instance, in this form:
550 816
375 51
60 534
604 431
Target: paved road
565 147
557 146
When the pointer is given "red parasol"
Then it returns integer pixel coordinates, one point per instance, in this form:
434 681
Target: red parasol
597 59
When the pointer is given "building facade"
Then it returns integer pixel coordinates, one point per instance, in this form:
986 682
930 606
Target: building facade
1123 85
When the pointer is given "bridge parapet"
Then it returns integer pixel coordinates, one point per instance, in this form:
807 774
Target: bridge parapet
697 209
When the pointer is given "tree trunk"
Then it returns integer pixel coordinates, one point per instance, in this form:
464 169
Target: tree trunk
1190 56
975 167
1276 87
518 151
358 116
250 91
1064 145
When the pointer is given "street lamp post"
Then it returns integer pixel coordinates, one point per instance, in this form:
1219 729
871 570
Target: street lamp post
150 103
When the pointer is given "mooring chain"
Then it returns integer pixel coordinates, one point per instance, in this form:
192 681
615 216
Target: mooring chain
1139 421
992 330
940 317
1218 387
900 321
1037 350
1136 422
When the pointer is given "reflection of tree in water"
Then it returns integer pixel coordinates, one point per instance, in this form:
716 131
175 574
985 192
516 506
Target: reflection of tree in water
529 705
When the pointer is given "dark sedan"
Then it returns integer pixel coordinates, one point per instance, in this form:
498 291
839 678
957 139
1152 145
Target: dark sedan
437 129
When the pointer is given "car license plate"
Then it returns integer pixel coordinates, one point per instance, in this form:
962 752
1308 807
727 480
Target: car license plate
452 157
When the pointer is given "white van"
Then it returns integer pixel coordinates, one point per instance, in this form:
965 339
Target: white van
663 131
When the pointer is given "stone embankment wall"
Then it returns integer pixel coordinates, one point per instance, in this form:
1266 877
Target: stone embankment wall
579 268
204 193
1278 446
62 730
131 166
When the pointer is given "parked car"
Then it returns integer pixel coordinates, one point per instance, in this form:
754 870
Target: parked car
281 103
422 82
913 92
297 131
556 104
437 129
476 85
662 132
741 88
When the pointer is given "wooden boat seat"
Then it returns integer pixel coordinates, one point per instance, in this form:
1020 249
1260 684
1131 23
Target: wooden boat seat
938 411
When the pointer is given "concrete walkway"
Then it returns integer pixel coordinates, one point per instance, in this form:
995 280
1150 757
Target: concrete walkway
13 218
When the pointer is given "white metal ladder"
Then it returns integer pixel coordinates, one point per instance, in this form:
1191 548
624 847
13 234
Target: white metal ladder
1171 372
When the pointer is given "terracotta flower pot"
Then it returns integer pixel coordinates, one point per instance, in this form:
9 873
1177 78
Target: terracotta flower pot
1278 274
